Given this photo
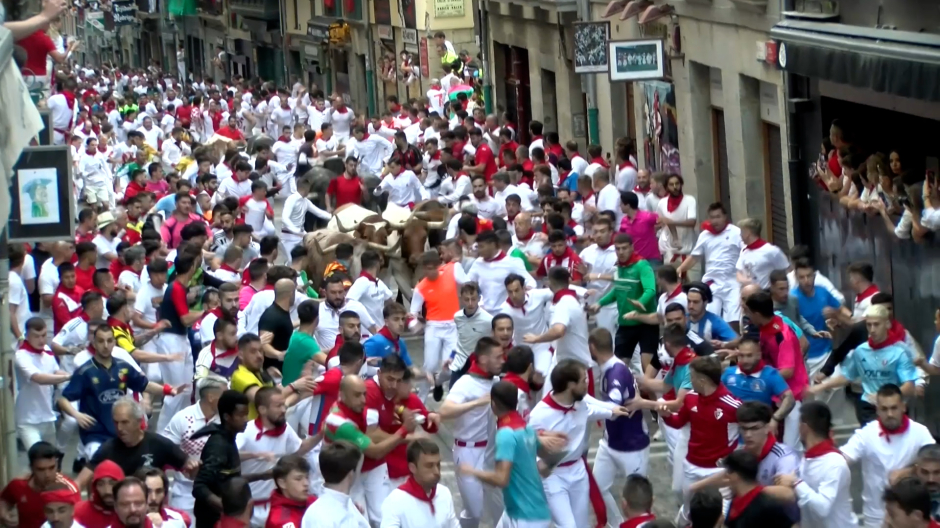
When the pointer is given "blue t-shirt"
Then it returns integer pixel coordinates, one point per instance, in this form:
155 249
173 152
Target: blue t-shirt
379 346
761 386
96 388
679 377
793 326
571 182
877 368
712 326
167 205
811 308
524 496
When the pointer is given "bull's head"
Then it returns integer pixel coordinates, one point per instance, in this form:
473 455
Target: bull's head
415 231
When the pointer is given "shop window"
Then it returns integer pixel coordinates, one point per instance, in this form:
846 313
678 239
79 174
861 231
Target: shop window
720 157
331 8
352 9
773 184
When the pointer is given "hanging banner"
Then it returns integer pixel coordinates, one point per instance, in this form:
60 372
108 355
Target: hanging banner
423 53
124 12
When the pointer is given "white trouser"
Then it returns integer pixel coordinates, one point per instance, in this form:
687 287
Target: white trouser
30 434
259 515
691 475
68 430
153 372
90 449
370 490
542 353
440 339
835 399
181 494
567 490
288 242
791 428
174 374
609 465
726 300
506 522
677 446
471 489
607 319
315 478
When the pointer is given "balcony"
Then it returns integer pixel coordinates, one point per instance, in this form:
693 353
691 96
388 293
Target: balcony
257 9
147 8
211 7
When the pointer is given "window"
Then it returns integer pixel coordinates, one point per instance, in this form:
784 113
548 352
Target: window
720 157
773 183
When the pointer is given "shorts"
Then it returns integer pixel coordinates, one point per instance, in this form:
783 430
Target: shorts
628 337
97 195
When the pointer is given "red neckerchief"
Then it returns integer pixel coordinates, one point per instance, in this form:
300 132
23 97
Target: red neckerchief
739 504
684 357
512 420
411 487
284 139
499 256
535 138
511 217
30 348
707 226
277 431
768 445
636 522
673 202
905 425
475 369
601 161
519 307
896 334
550 401
357 418
526 238
395 109
757 244
388 335
674 293
634 258
112 322
757 368
562 293
520 383
606 246
587 197
70 101
216 120
869 291
227 353
165 516
641 190
226 267
822 448
341 110
624 165
369 277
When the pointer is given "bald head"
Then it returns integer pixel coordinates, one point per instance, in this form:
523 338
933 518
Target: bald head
750 289
284 288
352 392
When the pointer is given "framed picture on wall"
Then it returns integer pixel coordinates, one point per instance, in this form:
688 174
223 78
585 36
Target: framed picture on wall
637 60
590 46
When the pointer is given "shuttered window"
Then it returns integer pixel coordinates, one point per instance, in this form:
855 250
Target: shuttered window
776 199
722 178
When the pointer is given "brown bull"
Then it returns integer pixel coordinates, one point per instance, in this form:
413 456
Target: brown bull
321 251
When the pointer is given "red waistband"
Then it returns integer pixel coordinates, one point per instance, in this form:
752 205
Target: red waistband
461 443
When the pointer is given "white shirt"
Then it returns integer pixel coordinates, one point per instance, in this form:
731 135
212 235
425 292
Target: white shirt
880 455
206 358
757 264
569 313
402 510
326 145
372 152
665 299
403 188
48 282
372 296
720 255
603 261
152 137
333 510
328 323
469 330
436 99
34 401
72 334
180 430
62 116
463 186
488 208
608 199
536 143
232 187
129 278
579 165
144 302
341 121
530 318
294 212
473 425
491 276
105 246
286 152
626 177
254 440
824 494
686 235
573 421
93 169
19 298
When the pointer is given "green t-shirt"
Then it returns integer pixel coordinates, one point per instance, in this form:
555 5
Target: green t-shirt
300 350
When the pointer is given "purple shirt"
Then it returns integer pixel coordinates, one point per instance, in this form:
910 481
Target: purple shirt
625 433
642 229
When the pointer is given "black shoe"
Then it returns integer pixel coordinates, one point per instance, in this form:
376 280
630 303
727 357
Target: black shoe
78 465
438 393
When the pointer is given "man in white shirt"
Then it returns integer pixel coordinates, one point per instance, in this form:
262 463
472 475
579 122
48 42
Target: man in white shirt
678 215
758 257
402 185
237 185
372 150
341 117
601 259
173 150
608 196
152 134
422 501
467 404
333 306
295 210
719 248
822 484
64 109
568 409
334 508
97 182
106 241
490 271
368 289
37 373
487 207
436 97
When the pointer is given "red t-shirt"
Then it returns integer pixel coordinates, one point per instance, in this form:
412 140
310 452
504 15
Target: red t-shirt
29 505
83 278
484 155
397 460
37 46
346 190
328 391
232 133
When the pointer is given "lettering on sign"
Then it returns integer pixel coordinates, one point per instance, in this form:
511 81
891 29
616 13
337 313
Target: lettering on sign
124 12
409 36
448 8
423 54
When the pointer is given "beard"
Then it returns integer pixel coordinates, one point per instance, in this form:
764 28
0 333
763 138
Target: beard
229 315
577 397
134 521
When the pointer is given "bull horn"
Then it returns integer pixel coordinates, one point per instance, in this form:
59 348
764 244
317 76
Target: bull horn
342 228
317 244
443 223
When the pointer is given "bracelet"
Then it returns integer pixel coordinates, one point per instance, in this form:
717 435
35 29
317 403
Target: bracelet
167 390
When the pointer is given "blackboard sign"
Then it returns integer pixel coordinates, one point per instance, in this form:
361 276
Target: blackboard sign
124 12
41 204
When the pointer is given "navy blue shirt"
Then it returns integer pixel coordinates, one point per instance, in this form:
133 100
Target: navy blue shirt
96 388
624 433
761 386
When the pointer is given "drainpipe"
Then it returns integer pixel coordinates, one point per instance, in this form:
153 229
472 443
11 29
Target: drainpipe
484 44
282 9
7 352
590 84
370 48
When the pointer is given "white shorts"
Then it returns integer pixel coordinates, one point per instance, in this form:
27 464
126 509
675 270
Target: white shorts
95 194
726 300
506 522
30 434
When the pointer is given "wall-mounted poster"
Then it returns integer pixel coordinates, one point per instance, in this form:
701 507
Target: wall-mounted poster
637 60
590 46
38 187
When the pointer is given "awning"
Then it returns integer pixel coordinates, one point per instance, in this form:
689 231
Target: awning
896 62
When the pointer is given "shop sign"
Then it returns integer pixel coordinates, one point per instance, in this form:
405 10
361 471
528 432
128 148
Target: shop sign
409 36
124 12
448 8
317 33
382 11
636 60
385 33
423 54
311 52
